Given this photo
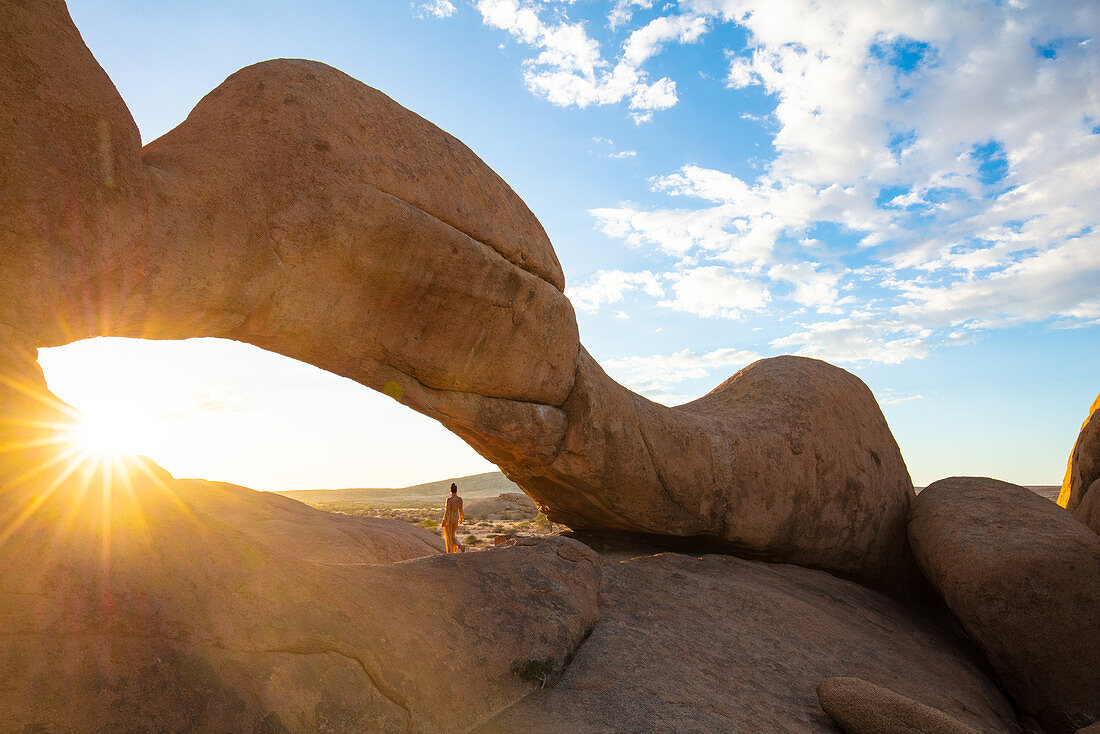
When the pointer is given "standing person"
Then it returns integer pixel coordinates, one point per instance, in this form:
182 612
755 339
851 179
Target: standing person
452 517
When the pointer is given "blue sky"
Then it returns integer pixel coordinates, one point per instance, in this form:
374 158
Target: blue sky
908 190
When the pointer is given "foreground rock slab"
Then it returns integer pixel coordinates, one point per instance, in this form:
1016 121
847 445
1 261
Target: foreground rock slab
718 644
1023 578
305 532
135 611
302 211
1081 488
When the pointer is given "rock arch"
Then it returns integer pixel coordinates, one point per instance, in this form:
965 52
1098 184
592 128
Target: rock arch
301 211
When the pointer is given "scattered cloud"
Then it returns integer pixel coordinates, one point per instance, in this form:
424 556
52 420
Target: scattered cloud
857 341
609 286
623 11
656 376
954 148
812 287
713 291
898 399
435 8
933 170
569 68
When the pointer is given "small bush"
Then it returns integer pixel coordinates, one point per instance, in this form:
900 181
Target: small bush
533 669
429 523
472 540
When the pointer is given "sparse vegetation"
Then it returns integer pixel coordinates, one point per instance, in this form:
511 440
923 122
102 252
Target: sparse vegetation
534 669
424 508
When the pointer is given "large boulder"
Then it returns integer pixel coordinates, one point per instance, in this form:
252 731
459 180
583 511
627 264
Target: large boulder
720 644
1023 578
859 707
304 212
1080 491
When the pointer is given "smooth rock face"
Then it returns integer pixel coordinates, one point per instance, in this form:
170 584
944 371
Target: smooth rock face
305 532
1023 578
719 644
306 213
859 707
1080 493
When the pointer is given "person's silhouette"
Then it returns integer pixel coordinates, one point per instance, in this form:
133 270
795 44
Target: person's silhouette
452 517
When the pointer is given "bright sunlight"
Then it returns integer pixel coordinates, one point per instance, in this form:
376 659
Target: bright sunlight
107 435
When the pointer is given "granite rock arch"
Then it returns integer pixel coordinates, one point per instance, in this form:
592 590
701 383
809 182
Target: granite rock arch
304 212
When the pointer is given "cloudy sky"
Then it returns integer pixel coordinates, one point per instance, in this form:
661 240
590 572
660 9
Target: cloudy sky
908 190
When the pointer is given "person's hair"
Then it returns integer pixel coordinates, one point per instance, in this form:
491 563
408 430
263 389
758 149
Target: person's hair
454 488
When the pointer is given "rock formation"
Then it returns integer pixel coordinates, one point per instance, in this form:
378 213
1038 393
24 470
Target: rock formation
1080 490
306 213
720 644
1023 578
859 707
506 505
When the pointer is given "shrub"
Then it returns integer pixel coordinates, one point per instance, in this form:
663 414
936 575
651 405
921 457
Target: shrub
430 523
534 669
472 540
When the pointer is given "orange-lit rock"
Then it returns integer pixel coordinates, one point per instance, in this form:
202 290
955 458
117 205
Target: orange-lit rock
152 604
1080 492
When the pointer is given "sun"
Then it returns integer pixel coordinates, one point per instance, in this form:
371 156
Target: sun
106 435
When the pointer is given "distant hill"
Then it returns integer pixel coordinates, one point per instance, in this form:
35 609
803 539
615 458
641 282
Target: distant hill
475 486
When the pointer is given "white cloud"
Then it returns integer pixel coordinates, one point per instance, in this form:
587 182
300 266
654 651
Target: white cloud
569 68
979 135
741 73
812 287
681 232
609 286
647 40
435 8
899 399
1063 281
715 292
656 376
857 341
623 154
949 148
623 11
